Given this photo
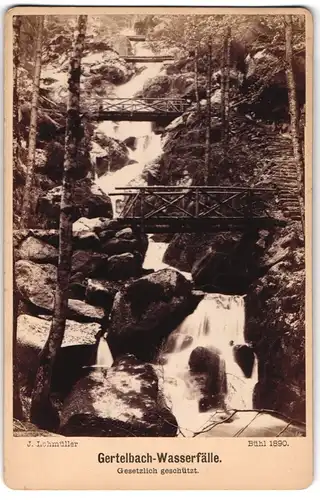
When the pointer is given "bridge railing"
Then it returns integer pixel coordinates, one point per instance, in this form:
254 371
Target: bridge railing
194 202
136 38
138 105
159 58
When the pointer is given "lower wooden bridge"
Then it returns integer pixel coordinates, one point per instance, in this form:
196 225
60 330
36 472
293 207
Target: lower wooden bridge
134 109
171 209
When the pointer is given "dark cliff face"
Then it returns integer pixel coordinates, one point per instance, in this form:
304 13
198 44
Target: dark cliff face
224 262
275 324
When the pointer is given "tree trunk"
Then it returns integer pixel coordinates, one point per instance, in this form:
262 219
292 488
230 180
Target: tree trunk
227 93
208 118
294 117
223 91
17 405
196 71
16 64
26 201
42 412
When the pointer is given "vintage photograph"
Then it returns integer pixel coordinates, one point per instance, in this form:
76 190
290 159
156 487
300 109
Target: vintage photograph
159 225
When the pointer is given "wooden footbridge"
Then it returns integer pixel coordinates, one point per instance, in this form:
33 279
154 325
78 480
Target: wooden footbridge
171 209
136 38
135 109
148 59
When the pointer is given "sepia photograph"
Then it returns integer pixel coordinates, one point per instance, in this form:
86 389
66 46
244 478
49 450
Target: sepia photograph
159 228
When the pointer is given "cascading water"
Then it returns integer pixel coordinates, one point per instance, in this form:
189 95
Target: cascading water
104 356
218 321
147 144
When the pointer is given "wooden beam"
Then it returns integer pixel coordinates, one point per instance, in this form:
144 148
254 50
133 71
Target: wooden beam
204 188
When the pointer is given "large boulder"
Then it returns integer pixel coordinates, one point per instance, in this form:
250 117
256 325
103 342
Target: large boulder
225 262
116 246
88 263
36 283
122 401
146 311
78 349
34 331
87 313
95 225
101 293
209 362
205 360
50 236
106 236
124 266
125 234
244 357
37 251
85 264
88 201
89 233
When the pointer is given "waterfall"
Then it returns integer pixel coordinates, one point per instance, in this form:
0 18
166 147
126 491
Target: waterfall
148 145
217 324
154 257
104 356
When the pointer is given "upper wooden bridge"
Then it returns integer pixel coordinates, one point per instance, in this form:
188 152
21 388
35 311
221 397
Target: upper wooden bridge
148 59
171 209
136 38
134 109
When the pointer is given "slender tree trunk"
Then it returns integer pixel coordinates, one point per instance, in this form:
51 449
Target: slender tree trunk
196 71
16 64
17 405
42 412
223 91
227 93
26 201
208 118
294 117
